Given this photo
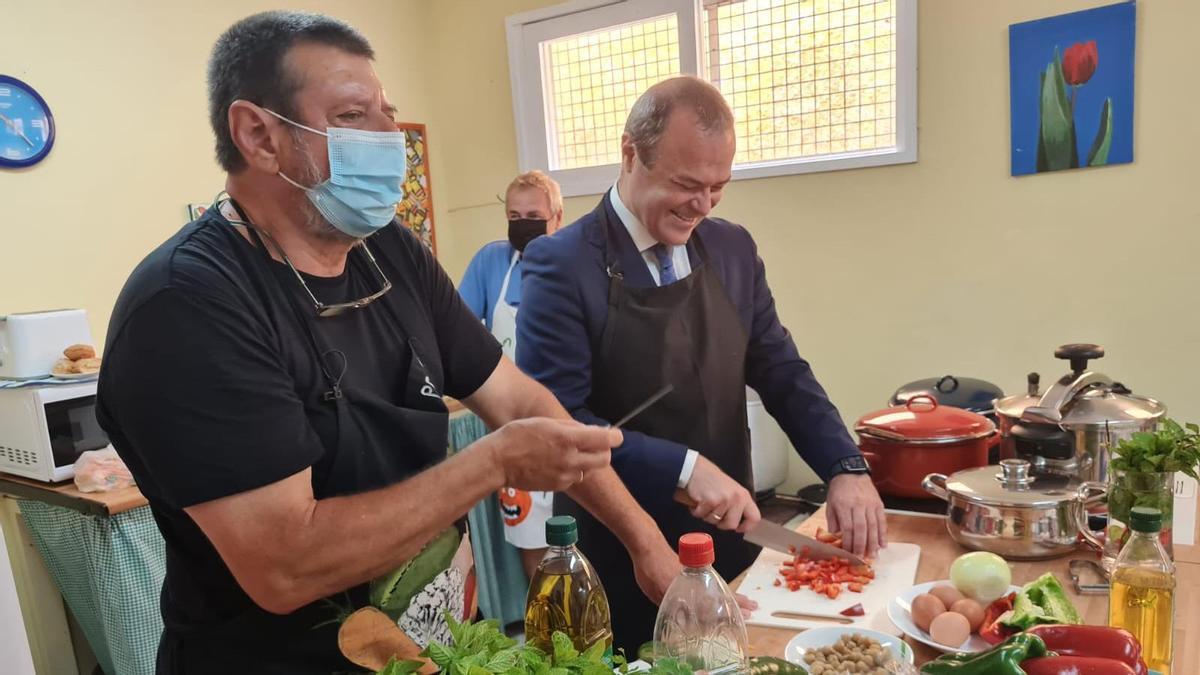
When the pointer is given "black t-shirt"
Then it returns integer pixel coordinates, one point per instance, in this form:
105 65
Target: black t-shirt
212 385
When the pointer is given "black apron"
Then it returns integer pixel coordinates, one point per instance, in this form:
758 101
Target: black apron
378 444
687 334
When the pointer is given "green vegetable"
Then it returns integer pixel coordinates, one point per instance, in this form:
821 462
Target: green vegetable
769 665
1003 659
1042 600
397 667
646 652
392 593
1170 448
482 649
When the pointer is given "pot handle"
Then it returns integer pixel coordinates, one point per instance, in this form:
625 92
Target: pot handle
935 484
1089 494
925 398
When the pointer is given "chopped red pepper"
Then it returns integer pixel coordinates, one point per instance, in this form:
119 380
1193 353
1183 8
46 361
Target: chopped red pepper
853 610
991 630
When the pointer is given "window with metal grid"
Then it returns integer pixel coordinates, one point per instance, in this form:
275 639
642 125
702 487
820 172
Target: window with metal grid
592 80
805 77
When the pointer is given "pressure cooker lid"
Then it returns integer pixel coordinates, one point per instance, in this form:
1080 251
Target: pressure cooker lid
1112 406
1011 485
961 392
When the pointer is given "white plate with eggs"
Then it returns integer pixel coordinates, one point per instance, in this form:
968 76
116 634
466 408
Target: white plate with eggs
816 638
900 612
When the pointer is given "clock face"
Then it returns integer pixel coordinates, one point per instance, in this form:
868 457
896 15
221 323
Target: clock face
26 125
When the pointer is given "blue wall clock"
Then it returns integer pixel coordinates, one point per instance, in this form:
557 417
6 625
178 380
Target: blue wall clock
26 125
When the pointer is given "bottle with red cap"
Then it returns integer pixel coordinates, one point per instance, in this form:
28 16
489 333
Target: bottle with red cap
699 622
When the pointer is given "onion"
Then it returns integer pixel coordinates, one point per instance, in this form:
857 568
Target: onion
982 576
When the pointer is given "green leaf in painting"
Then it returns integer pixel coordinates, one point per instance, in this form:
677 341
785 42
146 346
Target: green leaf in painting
1098 155
1057 127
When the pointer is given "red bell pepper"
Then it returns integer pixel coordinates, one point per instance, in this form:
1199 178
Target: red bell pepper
1075 665
991 630
1100 642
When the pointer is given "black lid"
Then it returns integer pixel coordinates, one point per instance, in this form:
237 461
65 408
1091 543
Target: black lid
978 396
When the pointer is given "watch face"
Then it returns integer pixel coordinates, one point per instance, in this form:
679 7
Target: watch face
855 464
26 125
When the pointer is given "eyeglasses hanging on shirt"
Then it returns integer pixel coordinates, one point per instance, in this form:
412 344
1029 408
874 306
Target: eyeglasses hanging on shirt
323 310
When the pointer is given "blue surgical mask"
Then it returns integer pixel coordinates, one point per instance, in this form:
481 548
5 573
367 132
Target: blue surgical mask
366 177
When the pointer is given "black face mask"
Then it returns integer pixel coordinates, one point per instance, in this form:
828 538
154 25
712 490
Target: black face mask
524 230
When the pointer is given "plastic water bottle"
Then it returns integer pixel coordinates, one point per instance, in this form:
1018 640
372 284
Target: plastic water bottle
699 621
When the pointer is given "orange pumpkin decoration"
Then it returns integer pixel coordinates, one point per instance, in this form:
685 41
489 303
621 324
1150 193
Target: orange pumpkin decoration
514 506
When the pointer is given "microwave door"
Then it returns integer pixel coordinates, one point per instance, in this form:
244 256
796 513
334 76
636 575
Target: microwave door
73 430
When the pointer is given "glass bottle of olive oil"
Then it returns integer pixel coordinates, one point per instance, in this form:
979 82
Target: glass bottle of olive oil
1143 590
565 595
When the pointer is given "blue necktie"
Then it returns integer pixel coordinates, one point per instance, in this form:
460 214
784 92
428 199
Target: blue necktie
666 266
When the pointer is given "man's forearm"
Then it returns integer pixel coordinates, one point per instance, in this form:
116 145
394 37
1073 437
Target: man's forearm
287 549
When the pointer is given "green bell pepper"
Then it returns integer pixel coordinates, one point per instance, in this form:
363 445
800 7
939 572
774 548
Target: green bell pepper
1041 601
1003 659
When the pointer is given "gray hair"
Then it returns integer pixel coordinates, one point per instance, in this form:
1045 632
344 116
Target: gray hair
651 113
247 63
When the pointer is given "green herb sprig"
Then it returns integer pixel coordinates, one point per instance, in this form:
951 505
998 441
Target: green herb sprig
1170 448
481 648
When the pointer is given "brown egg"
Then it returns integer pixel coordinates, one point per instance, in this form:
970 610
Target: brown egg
950 629
947 594
970 609
925 608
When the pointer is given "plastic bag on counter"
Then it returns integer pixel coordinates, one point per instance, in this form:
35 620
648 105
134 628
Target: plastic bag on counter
101 471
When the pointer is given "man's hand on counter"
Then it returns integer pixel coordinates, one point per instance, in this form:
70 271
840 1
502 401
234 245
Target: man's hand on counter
854 508
721 500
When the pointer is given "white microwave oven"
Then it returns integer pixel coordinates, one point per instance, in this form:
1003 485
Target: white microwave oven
44 429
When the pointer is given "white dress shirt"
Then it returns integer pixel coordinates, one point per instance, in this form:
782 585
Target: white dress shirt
644 241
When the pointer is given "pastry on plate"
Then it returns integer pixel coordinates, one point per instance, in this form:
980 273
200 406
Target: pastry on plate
91 365
64 367
77 352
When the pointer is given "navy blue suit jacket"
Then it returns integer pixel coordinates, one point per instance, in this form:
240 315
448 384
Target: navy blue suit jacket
564 307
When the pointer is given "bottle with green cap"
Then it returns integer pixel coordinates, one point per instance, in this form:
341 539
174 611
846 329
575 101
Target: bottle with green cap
565 595
1143 589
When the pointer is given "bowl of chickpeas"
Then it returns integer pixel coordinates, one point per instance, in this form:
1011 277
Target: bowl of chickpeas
837 650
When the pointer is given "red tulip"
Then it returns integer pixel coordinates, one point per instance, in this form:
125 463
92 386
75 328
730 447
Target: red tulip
1079 62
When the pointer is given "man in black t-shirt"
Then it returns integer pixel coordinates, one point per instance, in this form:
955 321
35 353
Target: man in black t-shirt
274 377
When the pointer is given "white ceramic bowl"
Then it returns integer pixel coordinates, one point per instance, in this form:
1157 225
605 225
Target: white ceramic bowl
815 638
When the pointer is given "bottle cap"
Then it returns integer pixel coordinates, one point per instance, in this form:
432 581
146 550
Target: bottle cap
696 550
1145 519
561 531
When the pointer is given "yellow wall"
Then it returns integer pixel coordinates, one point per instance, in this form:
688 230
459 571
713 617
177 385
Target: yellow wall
126 83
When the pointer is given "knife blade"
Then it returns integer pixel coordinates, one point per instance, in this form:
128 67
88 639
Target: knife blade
779 538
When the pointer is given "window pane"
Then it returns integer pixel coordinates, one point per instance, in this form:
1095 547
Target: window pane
805 77
592 81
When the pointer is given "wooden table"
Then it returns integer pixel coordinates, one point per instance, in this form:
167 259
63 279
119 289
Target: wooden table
938 551
67 495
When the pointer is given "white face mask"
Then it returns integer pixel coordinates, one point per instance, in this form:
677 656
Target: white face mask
366 178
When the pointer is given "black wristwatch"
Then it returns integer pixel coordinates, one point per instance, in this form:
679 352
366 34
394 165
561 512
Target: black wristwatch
851 464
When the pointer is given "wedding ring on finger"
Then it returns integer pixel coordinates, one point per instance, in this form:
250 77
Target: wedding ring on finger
582 475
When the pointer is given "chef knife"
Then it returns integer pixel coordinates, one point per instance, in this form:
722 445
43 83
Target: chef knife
779 538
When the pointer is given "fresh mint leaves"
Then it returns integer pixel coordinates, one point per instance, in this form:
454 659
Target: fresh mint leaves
482 649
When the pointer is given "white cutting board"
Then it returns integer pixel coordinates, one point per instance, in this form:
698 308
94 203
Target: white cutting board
895 571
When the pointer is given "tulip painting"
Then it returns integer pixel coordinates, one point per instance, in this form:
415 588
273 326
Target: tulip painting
1071 85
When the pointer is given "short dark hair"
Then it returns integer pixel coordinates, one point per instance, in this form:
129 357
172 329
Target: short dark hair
247 63
650 114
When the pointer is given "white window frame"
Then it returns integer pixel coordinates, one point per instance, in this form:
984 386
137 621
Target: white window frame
527 30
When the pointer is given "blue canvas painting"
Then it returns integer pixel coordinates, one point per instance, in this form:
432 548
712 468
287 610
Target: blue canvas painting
1071 86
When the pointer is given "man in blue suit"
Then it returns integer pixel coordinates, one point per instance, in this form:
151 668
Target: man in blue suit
647 290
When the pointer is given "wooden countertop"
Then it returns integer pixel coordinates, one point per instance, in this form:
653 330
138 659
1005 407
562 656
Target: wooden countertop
67 495
938 551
